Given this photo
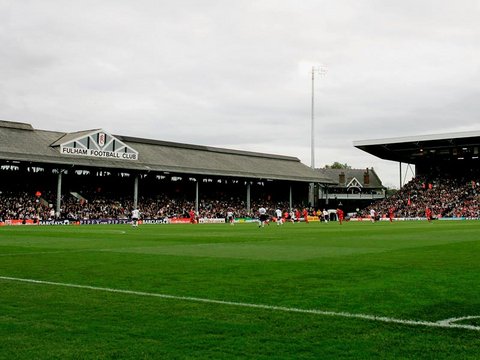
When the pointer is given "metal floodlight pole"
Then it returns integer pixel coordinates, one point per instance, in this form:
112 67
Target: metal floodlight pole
312 128
320 70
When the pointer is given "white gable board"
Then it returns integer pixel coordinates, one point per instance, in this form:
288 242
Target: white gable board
354 183
99 144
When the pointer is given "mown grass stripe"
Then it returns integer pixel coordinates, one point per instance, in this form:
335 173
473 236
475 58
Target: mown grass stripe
438 324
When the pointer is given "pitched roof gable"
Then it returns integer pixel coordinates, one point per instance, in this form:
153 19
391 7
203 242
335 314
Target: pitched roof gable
97 143
354 183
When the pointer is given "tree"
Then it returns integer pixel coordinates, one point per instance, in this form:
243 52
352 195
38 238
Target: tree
337 165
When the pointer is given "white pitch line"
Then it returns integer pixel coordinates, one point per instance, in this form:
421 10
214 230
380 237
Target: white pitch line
439 324
50 252
454 320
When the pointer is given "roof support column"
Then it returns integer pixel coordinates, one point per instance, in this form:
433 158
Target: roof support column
135 192
59 193
311 194
290 198
400 167
248 196
196 195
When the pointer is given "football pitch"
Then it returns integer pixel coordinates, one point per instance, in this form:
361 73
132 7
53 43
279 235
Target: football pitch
297 291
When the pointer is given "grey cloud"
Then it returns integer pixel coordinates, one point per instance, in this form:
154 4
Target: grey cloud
236 74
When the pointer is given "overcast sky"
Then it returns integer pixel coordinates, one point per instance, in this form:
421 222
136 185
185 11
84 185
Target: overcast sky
237 74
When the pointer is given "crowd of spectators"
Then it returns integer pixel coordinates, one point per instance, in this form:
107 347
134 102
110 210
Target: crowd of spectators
19 206
445 197
25 206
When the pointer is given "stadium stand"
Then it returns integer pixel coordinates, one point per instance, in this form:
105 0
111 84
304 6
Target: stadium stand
92 174
445 197
447 175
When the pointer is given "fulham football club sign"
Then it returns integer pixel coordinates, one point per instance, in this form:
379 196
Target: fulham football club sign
97 143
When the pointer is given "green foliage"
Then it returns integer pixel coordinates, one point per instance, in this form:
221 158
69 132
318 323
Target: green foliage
337 165
405 270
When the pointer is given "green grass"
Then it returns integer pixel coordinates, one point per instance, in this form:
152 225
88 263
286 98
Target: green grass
410 270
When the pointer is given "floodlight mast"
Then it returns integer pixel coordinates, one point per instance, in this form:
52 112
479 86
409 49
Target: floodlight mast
319 70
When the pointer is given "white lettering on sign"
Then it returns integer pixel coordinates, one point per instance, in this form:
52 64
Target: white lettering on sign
99 144
74 151
99 153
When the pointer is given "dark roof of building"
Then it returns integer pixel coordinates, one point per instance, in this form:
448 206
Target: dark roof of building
351 175
416 149
21 142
